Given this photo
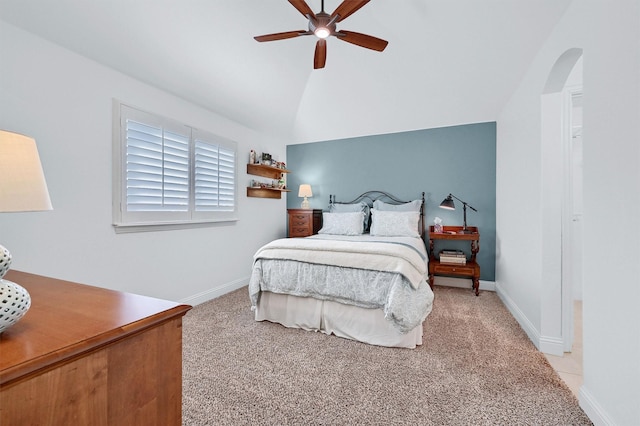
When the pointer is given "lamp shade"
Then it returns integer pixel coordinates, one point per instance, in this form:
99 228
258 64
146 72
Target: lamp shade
305 190
22 184
447 203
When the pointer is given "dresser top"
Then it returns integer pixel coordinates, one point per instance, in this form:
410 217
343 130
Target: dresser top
67 319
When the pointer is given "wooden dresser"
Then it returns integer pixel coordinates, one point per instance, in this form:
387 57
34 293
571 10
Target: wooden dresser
304 222
85 355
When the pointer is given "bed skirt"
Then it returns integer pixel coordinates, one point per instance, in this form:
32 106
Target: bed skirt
350 322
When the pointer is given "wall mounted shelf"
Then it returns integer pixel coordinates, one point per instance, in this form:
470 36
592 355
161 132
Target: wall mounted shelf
265 192
268 172
265 171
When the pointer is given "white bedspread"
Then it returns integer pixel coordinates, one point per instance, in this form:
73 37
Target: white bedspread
385 273
386 255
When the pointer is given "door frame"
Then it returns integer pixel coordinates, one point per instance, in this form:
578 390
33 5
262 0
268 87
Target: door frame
570 93
553 296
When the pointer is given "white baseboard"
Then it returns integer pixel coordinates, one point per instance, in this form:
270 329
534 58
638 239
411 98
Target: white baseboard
545 344
592 409
527 326
463 283
551 345
213 293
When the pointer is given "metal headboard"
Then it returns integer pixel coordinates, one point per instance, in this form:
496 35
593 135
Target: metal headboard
370 196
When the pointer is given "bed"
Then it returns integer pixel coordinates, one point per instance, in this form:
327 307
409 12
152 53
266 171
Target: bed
362 277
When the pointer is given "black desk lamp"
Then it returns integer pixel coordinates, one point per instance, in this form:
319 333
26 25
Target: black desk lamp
448 204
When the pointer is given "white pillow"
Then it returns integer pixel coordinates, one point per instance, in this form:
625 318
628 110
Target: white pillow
356 207
351 223
394 223
411 206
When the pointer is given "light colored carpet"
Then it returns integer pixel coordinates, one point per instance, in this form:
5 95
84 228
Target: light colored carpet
477 367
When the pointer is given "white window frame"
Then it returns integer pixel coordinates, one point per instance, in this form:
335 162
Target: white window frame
208 195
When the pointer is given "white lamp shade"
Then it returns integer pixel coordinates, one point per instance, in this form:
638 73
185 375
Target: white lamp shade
22 184
305 190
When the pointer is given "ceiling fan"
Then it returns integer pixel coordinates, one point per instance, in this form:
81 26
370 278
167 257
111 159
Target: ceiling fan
323 25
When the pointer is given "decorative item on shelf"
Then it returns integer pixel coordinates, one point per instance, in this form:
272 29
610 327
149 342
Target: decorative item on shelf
22 188
266 159
252 157
305 191
448 204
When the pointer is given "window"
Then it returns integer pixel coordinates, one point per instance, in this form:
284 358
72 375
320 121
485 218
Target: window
168 174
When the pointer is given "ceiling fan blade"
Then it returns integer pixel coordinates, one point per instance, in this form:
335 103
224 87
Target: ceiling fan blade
348 7
320 58
362 40
302 7
280 36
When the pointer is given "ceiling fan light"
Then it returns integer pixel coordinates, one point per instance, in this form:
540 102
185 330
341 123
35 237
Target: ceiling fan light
322 32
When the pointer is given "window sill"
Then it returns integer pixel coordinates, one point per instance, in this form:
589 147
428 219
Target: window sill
124 228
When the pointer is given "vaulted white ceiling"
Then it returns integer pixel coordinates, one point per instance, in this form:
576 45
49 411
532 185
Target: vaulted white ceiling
448 61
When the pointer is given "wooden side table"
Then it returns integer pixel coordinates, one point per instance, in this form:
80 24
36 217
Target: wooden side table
304 222
471 269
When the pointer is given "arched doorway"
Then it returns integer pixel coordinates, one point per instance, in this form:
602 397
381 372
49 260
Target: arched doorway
557 100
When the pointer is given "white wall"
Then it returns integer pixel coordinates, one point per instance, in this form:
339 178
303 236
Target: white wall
608 33
64 101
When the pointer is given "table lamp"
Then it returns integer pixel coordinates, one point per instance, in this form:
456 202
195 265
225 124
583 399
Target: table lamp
448 204
305 191
22 189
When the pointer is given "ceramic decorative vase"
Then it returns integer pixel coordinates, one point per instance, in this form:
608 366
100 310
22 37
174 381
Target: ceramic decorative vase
14 299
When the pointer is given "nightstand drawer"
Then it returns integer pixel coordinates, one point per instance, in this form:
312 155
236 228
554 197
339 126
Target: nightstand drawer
300 221
453 269
304 222
299 230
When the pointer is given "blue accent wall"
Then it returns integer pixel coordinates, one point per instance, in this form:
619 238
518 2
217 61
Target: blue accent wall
460 160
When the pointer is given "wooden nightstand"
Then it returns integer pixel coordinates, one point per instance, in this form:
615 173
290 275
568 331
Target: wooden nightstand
471 269
304 222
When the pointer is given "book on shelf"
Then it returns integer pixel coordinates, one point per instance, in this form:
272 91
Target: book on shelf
453 260
453 253
455 257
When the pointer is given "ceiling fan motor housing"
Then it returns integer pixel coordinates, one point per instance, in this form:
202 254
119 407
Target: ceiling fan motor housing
322 20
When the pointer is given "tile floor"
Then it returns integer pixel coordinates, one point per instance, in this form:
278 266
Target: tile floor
569 366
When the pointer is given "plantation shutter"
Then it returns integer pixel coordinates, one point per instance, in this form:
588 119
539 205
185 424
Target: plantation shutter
170 173
227 188
215 175
157 169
